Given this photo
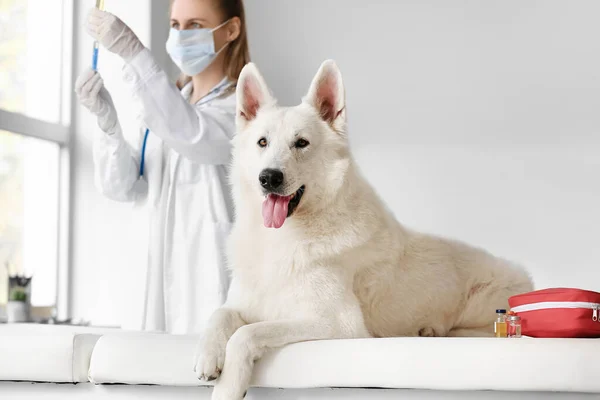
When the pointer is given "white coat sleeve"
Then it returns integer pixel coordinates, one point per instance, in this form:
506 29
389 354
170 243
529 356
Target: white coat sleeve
115 167
201 135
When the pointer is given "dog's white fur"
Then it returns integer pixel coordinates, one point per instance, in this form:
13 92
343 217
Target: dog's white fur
341 266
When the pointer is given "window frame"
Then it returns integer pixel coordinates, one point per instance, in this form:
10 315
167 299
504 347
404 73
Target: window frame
59 133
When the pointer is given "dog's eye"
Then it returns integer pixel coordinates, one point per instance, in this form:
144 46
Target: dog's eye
301 143
262 142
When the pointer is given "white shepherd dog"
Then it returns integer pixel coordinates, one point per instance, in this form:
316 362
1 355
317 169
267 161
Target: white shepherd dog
315 254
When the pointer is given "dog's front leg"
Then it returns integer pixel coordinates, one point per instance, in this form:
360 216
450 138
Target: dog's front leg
210 353
250 342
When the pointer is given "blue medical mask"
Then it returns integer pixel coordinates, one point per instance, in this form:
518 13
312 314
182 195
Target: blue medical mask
193 50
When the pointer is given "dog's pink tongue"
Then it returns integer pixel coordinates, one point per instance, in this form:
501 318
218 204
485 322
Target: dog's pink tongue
274 210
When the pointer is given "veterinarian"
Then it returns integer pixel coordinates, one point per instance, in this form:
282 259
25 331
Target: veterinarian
178 170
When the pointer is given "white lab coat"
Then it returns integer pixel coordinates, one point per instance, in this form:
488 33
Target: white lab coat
187 197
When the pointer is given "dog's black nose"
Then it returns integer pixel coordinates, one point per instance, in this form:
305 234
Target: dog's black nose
270 179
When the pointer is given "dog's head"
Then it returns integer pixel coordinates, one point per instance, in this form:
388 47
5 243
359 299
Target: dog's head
293 159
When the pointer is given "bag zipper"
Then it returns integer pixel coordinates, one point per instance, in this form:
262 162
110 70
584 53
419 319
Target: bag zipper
545 305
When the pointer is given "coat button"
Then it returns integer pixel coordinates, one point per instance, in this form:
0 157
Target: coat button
129 77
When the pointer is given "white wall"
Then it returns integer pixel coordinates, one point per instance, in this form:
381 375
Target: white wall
476 120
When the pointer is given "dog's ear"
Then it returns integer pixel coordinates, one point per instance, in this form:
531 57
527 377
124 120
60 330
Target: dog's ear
327 95
252 95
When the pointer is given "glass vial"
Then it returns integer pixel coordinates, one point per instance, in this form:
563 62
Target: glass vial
500 328
514 326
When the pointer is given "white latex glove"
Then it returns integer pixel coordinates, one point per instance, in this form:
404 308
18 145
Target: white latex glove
113 34
93 95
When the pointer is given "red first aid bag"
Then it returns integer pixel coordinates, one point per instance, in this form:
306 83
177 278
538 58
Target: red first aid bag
558 313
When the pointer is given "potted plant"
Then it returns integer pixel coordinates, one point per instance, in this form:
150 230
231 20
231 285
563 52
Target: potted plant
18 308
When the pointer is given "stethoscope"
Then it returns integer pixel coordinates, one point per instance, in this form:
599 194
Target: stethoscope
142 160
218 91
141 184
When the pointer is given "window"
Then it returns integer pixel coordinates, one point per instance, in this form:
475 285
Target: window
35 57
29 194
31 57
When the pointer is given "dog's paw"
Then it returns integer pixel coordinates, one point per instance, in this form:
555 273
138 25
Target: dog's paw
427 332
221 392
209 360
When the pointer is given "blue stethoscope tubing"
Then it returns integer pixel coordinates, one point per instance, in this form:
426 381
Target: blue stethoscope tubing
143 159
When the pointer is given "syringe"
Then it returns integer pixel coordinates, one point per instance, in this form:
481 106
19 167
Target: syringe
99 6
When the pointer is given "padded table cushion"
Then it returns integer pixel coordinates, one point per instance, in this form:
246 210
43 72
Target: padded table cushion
45 353
523 364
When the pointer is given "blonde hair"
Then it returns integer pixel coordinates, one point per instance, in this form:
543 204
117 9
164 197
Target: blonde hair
237 53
